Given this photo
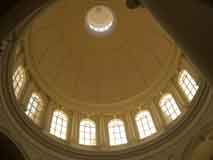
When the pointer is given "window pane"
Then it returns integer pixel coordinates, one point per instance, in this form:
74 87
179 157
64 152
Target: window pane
87 132
34 107
145 124
59 124
169 106
188 84
117 134
19 79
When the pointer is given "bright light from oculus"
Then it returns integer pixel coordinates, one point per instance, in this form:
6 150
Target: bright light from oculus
101 29
100 19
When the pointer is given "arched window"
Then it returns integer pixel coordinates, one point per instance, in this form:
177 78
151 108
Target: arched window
187 84
34 107
117 134
87 132
59 124
19 79
169 106
145 124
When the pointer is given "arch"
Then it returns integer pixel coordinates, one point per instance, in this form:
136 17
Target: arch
87 132
188 84
19 80
117 133
145 124
169 106
59 124
34 107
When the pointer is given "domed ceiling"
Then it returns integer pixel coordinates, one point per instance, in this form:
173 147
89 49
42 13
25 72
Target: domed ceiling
79 69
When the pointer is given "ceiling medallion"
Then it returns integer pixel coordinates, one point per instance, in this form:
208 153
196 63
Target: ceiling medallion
100 19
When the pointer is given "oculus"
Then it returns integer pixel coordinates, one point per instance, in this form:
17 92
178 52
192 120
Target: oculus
100 19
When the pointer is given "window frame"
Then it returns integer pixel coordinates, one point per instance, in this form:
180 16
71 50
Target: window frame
87 127
34 107
169 107
117 132
59 124
19 79
145 124
187 84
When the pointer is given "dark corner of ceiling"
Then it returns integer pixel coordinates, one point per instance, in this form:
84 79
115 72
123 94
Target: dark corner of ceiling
9 150
6 5
208 3
132 4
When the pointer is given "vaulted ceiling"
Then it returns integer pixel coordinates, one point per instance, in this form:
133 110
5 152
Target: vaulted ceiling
75 67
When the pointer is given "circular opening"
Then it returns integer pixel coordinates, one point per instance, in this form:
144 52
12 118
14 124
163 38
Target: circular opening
100 19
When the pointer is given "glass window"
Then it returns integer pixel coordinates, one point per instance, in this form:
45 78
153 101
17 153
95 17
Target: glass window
59 124
145 124
87 132
187 84
34 107
117 134
169 106
19 79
